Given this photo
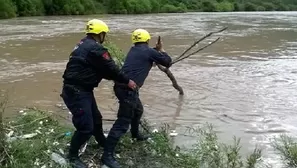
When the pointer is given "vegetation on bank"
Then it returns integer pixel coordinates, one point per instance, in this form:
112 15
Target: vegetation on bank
12 8
35 138
287 148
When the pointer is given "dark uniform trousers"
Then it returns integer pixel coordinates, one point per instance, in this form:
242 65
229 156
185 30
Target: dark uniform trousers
86 117
130 112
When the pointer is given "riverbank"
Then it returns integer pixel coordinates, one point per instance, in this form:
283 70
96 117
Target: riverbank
15 8
37 138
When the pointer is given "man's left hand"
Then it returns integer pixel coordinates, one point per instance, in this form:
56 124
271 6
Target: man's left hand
132 85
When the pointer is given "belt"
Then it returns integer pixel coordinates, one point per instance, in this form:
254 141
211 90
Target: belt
121 85
124 86
78 88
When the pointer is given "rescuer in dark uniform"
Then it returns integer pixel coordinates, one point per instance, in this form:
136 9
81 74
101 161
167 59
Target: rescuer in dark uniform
88 64
137 65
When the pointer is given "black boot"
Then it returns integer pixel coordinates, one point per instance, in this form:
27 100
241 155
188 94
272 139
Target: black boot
75 162
108 160
108 155
78 139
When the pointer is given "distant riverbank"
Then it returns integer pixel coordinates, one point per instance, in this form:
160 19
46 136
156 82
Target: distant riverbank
17 8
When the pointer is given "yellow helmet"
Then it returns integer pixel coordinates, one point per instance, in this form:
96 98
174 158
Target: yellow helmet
96 26
140 35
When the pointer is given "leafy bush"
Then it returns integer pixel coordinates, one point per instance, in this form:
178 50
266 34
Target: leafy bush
7 9
12 8
138 6
29 7
224 7
287 148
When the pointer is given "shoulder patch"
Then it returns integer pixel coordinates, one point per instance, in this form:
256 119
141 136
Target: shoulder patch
106 55
77 45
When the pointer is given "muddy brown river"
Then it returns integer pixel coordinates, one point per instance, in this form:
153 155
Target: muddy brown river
245 84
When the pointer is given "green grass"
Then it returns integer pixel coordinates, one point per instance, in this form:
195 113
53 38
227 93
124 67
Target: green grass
159 152
36 150
286 146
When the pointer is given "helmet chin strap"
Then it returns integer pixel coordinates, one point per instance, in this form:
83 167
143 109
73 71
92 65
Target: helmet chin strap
101 37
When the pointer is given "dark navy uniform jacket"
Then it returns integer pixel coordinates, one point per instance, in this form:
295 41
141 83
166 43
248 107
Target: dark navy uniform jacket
139 62
89 63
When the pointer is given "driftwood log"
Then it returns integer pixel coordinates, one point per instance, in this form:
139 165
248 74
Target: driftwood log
182 57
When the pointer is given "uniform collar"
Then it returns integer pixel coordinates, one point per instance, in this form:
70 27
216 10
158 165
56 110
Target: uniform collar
90 37
141 45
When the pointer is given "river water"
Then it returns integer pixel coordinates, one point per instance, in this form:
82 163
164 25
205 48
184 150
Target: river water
245 84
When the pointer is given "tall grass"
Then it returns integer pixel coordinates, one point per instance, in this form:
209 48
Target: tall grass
158 152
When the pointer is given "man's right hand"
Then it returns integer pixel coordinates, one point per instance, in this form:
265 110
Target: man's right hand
159 45
132 84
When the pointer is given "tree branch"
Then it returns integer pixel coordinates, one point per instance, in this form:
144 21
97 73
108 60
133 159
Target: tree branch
172 78
200 49
179 58
198 41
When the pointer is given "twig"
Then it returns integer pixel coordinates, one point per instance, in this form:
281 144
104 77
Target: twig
196 42
30 122
144 127
7 154
141 124
211 43
108 119
172 78
93 157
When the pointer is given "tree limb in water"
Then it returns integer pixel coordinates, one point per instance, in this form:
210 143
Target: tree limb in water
169 74
200 49
198 41
172 78
179 58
